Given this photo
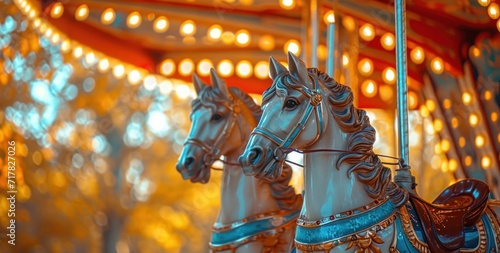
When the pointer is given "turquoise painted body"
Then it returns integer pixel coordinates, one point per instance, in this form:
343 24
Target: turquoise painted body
340 228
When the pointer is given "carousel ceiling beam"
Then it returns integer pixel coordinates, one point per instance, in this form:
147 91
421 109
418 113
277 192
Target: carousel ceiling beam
101 41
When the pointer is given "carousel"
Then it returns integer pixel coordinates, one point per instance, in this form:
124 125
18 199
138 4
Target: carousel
250 126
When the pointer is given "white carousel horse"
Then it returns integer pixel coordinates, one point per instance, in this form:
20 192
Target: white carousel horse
256 215
350 201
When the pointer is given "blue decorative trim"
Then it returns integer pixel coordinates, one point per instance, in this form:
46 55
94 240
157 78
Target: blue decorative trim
341 228
252 228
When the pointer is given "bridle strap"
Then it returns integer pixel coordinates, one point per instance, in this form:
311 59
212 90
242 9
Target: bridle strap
213 151
315 99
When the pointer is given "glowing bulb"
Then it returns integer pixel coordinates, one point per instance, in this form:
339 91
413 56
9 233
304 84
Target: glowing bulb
369 88
430 105
389 75
167 67
55 38
287 4
77 52
412 100
134 19
225 68
292 46
108 16
118 71
186 67
345 59
329 17
387 41
150 82
215 32
479 141
454 122
57 10
266 42
494 117
242 38
227 37
365 67
438 125
468 160
424 111
461 142
244 69
386 93
473 119
493 11
188 28
485 162
447 103
367 32
475 51
103 65
134 77
437 65
453 165
90 58
417 55
445 145
466 98
82 12
483 3
487 95
204 67
261 70
65 46
498 25
349 23
161 24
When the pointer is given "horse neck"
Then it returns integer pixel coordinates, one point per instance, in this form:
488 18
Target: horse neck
242 196
329 190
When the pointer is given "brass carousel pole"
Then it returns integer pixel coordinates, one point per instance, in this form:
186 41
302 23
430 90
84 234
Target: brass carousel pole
403 174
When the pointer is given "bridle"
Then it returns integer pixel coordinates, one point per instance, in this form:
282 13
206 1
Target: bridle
315 98
212 152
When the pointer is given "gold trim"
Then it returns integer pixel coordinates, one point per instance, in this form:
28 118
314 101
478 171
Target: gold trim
368 235
493 218
424 248
343 215
270 240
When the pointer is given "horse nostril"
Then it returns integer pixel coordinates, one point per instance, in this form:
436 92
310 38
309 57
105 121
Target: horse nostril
254 155
189 161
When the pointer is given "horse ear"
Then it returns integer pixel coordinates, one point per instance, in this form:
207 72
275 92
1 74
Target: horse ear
297 68
218 83
275 67
198 84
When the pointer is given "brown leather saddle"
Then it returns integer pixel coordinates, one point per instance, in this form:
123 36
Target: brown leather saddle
460 205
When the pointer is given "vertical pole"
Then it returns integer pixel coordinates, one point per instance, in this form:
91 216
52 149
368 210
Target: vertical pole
331 49
403 176
306 31
314 33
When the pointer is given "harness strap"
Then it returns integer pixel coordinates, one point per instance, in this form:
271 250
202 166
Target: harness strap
212 152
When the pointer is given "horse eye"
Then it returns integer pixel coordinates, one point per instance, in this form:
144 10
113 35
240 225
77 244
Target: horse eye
216 117
291 104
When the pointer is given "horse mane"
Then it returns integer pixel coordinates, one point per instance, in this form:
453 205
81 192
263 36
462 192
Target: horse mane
361 136
280 188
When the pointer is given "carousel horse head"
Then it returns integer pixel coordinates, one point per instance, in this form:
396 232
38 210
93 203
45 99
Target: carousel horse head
294 116
217 118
